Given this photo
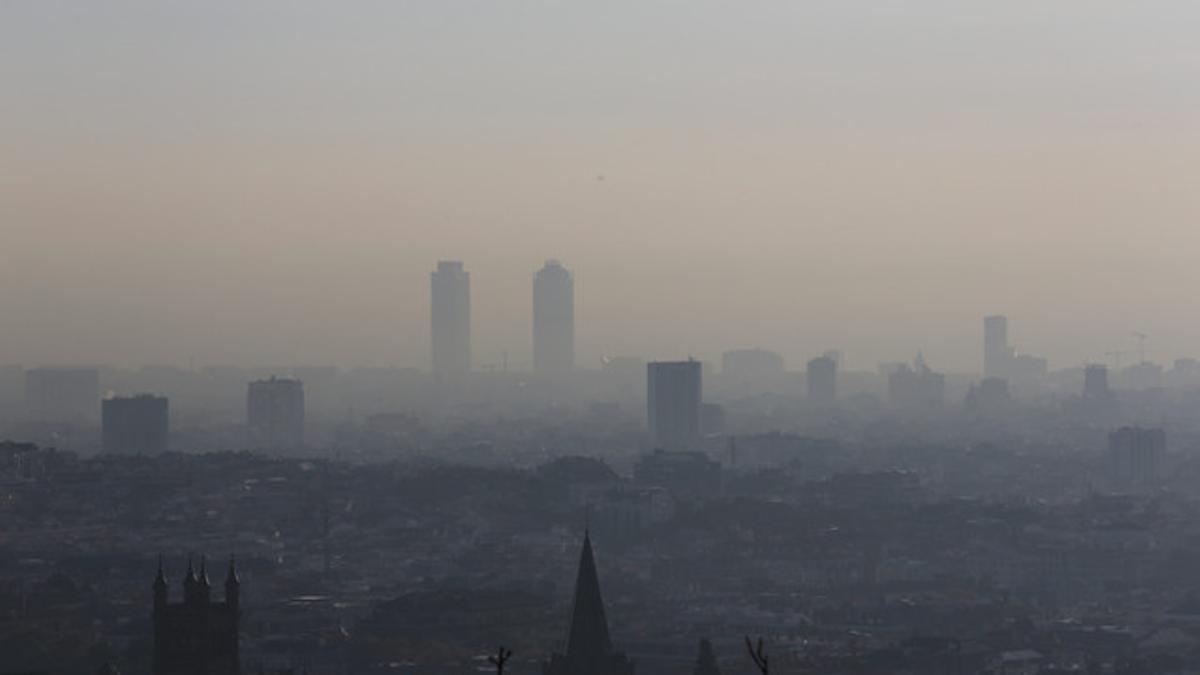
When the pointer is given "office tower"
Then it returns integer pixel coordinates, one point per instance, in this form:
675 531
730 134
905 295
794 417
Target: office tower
589 648
1135 456
134 425
1095 382
996 352
275 413
198 635
822 380
917 389
673 394
62 394
450 321
553 320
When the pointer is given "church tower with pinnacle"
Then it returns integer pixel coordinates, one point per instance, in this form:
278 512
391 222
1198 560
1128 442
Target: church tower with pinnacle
589 649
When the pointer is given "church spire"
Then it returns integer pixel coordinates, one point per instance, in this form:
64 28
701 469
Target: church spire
588 638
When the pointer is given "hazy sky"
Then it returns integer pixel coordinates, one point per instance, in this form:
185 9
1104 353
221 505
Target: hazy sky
272 182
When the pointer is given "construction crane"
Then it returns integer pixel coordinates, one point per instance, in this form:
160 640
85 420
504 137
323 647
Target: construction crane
1141 338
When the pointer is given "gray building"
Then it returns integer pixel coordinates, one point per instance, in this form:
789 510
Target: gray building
1095 382
275 413
450 321
1136 456
917 389
135 425
673 395
751 366
996 352
553 320
821 375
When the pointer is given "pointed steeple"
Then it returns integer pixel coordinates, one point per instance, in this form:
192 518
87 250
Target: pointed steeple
190 583
160 580
232 585
160 585
588 639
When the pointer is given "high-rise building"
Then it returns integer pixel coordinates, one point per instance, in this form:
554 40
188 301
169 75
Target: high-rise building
135 424
275 413
1135 456
199 635
553 320
822 380
450 320
62 394
589 649
996 352
673 395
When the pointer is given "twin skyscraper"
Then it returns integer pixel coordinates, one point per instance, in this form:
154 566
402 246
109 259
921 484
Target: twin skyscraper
450 320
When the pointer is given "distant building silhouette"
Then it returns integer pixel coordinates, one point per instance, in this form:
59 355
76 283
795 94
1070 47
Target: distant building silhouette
1095 382
1135 456
62 394
553 320
1143 375
135 424
589 649
450 321
673 395
821 375
197 636
751 366
990 397
996 353
275 413
917 389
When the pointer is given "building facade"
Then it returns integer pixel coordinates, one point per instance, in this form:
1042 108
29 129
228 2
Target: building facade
673 396
821 376
137 425
275 413
996 352
199 635
450 321
553 320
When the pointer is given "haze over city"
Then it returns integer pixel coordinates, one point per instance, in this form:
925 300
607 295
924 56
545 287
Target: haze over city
224 183
656 338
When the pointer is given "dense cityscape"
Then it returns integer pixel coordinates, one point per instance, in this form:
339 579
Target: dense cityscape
1022 519
599 338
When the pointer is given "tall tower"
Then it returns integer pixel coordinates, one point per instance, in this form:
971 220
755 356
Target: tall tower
673 396
996 353
821 377
589 649
450 320
198 636
553 320
275 413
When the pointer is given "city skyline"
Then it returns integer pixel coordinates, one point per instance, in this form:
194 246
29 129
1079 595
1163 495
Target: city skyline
791 178
825 338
